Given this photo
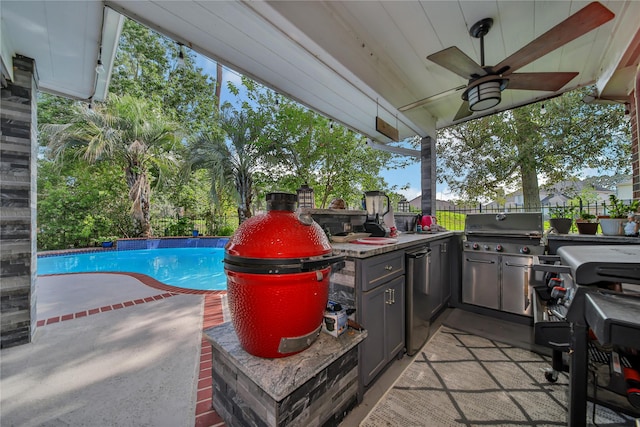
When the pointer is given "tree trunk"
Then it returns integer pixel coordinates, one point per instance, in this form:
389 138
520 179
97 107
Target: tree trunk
139 194
145 205
525 140
218 84
245 188
530 188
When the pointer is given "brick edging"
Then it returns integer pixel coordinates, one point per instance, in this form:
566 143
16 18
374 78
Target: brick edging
110 307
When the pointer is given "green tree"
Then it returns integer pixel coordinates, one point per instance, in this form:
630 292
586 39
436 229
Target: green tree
299 146
54 109
232 156
516 148
147 67
80 204
131 133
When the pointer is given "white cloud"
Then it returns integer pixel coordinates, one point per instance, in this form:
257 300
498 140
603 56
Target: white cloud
444 193
410 193
231 76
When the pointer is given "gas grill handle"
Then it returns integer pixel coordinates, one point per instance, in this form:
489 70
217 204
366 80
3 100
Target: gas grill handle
527 300
481 261
516 265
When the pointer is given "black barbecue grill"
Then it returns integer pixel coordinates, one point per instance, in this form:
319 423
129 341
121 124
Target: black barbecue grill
586 287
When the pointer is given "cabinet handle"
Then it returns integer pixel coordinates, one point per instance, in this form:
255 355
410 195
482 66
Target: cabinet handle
387 296
388 267
393 296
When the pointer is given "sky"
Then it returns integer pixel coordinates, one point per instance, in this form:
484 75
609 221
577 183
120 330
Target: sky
409 175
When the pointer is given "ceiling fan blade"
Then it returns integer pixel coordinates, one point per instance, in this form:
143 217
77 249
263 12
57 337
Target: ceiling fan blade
453 59
463 111
539 81
586 19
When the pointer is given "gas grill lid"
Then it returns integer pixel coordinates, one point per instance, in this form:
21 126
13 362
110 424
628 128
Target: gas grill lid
593 264
519 224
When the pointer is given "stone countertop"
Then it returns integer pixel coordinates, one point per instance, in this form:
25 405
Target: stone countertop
405 240
280 377
594 238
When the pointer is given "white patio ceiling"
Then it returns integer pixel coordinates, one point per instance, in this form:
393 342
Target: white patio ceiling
349 60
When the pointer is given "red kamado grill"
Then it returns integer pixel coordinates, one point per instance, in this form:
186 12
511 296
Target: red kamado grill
278 266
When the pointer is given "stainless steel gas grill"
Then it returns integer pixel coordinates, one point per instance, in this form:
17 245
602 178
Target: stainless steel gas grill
497 256
589 287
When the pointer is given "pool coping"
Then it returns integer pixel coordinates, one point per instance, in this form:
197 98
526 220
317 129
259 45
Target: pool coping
146 243
171 242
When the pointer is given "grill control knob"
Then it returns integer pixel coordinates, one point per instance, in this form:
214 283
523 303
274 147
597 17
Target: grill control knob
475 246
498 248
525 250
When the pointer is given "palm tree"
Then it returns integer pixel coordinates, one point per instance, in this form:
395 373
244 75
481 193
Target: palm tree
125 130
231 157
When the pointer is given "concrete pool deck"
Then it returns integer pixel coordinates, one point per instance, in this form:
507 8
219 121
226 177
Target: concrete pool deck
112 350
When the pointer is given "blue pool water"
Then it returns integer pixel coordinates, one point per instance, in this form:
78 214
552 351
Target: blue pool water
191 268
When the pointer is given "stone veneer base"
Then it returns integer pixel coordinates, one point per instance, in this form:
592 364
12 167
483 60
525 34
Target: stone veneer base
318 388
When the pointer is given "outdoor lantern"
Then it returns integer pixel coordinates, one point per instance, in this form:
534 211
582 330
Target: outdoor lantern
305 197
403 205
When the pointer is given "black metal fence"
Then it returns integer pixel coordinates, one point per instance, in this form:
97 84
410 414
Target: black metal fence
450 216
171 226
453 217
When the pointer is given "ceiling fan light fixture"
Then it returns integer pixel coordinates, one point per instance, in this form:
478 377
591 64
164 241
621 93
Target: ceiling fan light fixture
484 95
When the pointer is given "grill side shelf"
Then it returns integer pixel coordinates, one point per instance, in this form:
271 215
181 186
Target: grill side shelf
552 268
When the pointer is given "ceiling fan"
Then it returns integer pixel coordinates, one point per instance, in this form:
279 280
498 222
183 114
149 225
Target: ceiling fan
487 82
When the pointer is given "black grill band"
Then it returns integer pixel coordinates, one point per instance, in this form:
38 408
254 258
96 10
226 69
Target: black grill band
242 264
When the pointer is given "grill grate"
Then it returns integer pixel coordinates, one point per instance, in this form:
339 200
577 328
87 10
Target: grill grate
597 355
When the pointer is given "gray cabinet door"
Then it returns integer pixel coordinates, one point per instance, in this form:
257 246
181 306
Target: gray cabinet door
372 349
394 317
382 315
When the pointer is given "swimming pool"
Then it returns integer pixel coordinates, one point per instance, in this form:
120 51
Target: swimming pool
191 268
